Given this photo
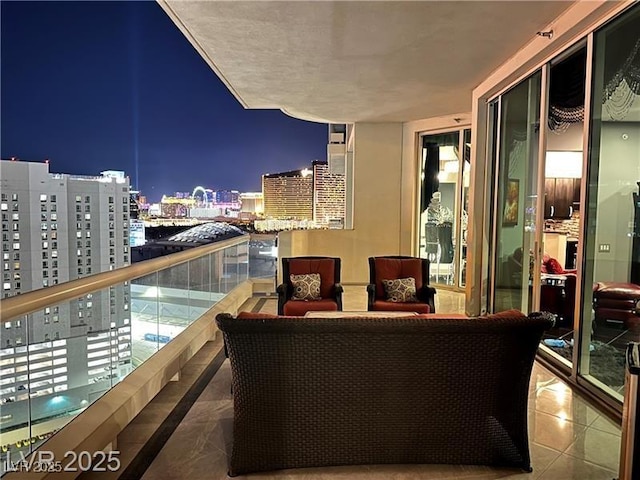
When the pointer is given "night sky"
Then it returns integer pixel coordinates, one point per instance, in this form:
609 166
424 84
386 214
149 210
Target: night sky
98 86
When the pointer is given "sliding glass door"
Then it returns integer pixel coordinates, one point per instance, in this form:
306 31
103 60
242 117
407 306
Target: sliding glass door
515 226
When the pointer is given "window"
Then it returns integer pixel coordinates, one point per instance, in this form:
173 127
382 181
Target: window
15 207
54 226
16 246
14 197
4 206
53 198
54 208
88 234
43 207
79 270
125 200
16 236
7 325
78 198
4 197
87 216
15 217
5 227
78 234
43 197
87 199
110 199
43 235
45 264
54 216
6 285
43 226
45 244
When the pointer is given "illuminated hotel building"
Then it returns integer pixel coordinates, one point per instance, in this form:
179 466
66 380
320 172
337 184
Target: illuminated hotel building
288 195
328 196
57 228
252 202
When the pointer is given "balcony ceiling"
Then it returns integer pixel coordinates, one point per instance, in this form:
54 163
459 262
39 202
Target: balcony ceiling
358 61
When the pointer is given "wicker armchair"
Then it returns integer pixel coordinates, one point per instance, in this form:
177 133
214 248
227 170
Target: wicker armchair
394 267
315 392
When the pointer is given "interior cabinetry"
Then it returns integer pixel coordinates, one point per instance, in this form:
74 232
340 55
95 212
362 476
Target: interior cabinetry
560 196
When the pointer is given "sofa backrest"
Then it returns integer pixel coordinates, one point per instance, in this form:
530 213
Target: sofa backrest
336 391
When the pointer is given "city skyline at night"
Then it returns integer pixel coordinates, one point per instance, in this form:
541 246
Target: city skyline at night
92 86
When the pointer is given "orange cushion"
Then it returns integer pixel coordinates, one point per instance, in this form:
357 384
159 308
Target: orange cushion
325 267
513 313
297 308
255 315
394 268
444 316
383 305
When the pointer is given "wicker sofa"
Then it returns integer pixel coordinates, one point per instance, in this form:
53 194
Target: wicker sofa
312 392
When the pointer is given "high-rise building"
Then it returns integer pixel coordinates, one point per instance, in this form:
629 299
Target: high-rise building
252 202
227 197
288 195
328 196
57 228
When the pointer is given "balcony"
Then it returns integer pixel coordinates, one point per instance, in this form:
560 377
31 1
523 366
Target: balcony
187 427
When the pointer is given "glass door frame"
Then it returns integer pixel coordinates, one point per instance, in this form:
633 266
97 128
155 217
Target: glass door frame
494 178
458 200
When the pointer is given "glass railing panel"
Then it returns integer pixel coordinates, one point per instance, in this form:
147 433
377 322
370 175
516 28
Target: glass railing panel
200 299
263 256
56 361
145 314
217 276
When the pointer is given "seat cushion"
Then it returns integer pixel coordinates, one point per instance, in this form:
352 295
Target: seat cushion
296 308
393 268
383 305
325 267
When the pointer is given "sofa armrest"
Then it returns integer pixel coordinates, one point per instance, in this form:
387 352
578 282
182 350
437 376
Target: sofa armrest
371 295
283 296
337 294
426 294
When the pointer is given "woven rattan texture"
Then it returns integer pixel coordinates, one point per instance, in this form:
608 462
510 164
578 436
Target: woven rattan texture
321 392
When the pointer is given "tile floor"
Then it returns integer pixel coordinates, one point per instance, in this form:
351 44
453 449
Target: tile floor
569 439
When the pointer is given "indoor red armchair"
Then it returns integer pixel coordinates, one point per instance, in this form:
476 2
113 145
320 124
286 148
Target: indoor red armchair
397 267
330 294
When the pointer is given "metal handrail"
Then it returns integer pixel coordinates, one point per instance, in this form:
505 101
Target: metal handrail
35 300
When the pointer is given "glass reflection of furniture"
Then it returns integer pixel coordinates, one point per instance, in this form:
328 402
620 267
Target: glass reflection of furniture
440 251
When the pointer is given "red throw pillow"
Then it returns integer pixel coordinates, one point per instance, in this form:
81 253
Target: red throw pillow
553 266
